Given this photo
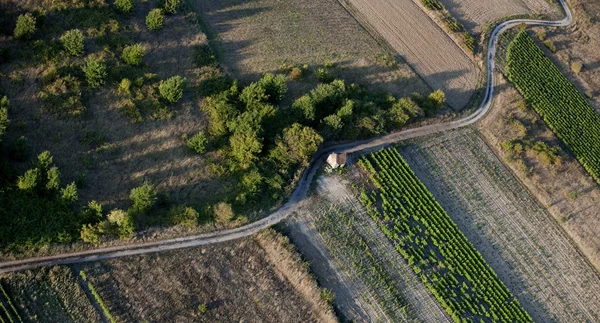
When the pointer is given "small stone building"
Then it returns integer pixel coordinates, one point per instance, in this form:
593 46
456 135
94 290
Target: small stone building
337 160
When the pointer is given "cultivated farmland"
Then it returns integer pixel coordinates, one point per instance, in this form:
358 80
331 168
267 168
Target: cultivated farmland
255 37
254 279
425 46
514 234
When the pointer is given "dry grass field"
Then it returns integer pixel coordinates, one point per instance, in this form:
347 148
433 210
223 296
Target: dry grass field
475 14
256 279
255 37
424 45
515 235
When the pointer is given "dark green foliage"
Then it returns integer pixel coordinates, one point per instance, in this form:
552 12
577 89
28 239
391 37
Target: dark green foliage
72 42
155 19
4 122
170 6
143 198
296 145
20 150
124 6
306 105
323 75
133 55
25 27
95 71
204 56
68 194
171 90
433 4
557 101
197 143
184 216
221 108
469 41
275 87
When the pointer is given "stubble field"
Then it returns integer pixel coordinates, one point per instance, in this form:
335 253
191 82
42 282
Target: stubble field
515 235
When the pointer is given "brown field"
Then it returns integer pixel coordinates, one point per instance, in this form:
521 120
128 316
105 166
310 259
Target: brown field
255 37
515 235
251 280
130 153
424 45
475 14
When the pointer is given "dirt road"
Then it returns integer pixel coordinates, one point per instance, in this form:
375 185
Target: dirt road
300 193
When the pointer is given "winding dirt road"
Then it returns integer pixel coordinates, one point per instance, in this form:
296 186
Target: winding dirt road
300 193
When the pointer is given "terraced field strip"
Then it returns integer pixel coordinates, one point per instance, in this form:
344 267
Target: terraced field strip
439 253
556 99
425 46
513 232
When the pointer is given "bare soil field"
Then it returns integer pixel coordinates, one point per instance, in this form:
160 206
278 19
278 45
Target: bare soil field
350 255
567 191
475 14
257 279
424 45
259 36
515 235
112 153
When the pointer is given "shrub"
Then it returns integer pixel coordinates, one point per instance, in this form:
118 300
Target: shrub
143 198
155 19
296 73
25 27
550 45
125 87
223 212
469 41
432 4
170 6
63 96
124 6
72 42
29 181
95 71
172 89
123 223
275 87
53 182
68 194
197 143
133 55
184 216
327 295
576 67
204 56
4 122
323 75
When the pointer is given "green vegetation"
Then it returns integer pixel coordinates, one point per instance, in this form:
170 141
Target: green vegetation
433 4
557 101
95 71
124 6
97 297
172 89
197 143
439 253
72 42
133 54
155 19
25 27
4 122
170 6
8 307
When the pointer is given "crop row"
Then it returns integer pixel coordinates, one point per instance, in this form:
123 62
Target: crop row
8 309
423 233
556 100
97 297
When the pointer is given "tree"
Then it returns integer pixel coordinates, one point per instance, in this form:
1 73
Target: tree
155 19
123 223
245 146
333 122
72 42
223 213
95 71
170 6
53 182
92 213
91 233
221 109
297 145
197 143
124 6
25 27
275 87
437 99
306 105
143 198
68 194
172 89
133 55
29 181
4 122
184 216
253 94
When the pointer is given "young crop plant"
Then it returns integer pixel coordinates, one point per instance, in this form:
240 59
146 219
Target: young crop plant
439 253
72 42
133 54
556 100
25 27
155 19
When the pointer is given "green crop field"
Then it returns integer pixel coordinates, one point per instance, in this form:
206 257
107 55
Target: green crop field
427 238
558 102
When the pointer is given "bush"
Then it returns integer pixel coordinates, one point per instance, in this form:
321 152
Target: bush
155 19
125 87
576 67
172 89
204 56
25 27
4 122
143 198
72 42
95 71
170 6
432 4
29 181
323 75
197 143
184 216
275 87
68 195
133 55
124 6
223 213
63 96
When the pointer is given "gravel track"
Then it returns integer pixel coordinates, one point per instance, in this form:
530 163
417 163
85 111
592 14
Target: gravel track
303 186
